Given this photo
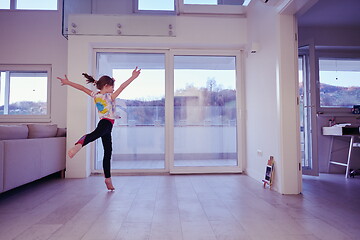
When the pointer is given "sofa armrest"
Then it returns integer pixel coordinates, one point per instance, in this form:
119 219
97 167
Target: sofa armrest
26 160
21 162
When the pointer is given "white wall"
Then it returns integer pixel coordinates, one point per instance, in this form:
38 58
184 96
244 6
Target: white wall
271 87
260 84
191 32
34 37
271 91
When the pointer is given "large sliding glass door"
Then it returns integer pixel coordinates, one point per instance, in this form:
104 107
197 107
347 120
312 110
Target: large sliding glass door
139 133
205 111
180 115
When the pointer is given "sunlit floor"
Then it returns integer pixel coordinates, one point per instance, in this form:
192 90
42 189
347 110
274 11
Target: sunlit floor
190 207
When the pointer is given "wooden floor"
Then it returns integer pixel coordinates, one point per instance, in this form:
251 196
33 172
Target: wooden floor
177 207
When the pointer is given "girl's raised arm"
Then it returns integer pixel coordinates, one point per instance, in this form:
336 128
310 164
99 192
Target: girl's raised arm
66 81
135 74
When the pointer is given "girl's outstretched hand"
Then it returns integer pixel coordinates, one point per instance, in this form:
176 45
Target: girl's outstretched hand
135 72
64 81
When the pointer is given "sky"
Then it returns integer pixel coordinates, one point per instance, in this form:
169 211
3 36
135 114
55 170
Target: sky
30 4
341 78
343 72
348 74
150 84
21 89
166 5
169 4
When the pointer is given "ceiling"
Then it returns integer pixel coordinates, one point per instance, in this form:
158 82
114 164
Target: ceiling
332 13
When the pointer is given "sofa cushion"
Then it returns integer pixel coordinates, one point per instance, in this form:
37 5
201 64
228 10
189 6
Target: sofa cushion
42 131
8 132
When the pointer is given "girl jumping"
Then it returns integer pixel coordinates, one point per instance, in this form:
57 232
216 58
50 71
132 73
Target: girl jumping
105 103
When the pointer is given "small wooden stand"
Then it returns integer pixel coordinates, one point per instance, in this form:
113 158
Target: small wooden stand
269 172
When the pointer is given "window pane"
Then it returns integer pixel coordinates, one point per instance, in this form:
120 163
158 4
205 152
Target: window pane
4 4
158 5
206 2
36 5
205 111
2 92
339 82
214 2
139 133
28 93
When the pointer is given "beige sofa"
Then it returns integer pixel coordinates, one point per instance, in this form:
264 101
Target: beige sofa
30 152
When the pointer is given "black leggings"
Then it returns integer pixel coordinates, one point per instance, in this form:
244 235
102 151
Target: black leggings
102 130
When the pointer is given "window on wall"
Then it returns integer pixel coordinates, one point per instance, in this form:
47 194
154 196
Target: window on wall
24 93
4 4
29 5
214 2
234 7
339 82
162 5
191 6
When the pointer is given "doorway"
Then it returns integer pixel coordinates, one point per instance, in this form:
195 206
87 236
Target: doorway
307 100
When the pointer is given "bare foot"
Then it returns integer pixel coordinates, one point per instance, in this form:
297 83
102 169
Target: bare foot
109 185
74 150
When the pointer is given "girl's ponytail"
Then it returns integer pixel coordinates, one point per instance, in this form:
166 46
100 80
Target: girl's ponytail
104 80
89 79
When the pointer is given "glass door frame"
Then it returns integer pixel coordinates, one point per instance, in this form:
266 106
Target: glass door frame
240 120
94 117
169 111
310 79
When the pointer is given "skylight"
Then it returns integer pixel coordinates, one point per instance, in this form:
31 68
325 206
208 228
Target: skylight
29 5
204 2
169 5
160 5
216 2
